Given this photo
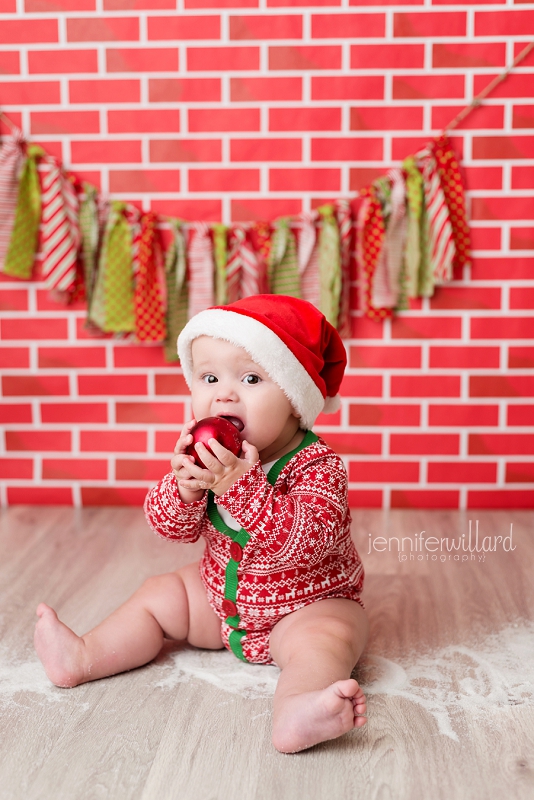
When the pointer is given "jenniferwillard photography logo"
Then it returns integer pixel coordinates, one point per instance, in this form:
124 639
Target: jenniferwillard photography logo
422 547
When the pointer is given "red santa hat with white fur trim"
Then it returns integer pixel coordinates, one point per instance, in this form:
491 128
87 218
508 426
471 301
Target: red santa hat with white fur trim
288 337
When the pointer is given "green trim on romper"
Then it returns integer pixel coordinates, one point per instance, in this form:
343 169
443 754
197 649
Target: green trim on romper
241 537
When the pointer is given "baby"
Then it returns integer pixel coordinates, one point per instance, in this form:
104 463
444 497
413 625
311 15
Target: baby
280 579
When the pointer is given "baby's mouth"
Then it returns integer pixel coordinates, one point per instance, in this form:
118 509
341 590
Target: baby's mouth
239 424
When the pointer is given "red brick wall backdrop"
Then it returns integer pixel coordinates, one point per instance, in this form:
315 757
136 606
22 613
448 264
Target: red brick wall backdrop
246 109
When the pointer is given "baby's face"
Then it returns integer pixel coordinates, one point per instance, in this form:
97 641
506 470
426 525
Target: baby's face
226 382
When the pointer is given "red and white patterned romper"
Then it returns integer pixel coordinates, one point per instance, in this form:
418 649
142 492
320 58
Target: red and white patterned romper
294 547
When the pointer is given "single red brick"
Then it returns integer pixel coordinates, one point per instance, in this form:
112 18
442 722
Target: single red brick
424 498
111 385
8 6
520 357
28 31
365 328
362 177
386 118
503 147
28 93
343 26
459 472
208 210
165 441
387 56
305 57
247 210
265 27
406 327
504 23
74 469
39 496
361 386
466 297
384 471
474 54
34 441
407 144
425 385
482 117
138 356
462 357
224 180
483 178
36 6
467 416
34 385
112 496
265 150
354 443
146 180
403 444
281 3
243 90
31 329
16 412
181 27
73 412
500 499
158 413
185 150
304 119
522 239
62 61
105 152
519 472
223 58
161 59
304 180
113 441
184 90
432 24
104 91
134 469
171 384
515 85
485 238
149 5
347 87
503 268
367 498
13 299
362 357
502 328
103 29
431 87
14 357
390 414
347 149
18 468
520 414
501 385
223 119
523 117
522 177
54 357
144 121
9 63
53 122
481 444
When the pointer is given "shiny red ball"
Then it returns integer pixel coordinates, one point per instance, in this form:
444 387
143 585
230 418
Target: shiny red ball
214 428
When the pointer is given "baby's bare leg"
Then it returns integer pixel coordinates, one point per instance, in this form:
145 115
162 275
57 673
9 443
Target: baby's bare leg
172 606
316 648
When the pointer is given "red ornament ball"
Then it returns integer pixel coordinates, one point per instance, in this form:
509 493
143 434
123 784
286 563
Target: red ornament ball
214 428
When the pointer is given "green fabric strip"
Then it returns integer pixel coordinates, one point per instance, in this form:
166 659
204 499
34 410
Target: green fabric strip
20 256
329 265
234 641
220 253
283 269
177 290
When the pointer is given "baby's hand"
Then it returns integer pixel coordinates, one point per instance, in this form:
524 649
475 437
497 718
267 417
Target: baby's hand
181 463
223 468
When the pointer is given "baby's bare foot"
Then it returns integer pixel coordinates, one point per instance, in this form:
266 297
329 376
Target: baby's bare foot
60 650
303 720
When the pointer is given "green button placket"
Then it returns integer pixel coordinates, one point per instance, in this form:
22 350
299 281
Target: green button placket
241 536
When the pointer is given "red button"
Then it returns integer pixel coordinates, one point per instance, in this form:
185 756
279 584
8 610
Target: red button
236 551
229 608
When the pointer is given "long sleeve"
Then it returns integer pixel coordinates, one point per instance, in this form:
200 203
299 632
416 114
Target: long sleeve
299 521
169 517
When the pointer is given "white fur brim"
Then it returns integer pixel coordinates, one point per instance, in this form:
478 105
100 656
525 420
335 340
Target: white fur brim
267 350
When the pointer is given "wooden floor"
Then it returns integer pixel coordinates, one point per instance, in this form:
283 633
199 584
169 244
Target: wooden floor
444 722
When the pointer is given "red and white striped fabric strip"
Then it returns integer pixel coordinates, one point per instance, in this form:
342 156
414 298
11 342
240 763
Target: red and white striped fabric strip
11 163
201 268
250 283
60 232
345 225
441 239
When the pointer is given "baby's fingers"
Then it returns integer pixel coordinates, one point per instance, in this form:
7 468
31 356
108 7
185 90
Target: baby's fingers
250 452
185 437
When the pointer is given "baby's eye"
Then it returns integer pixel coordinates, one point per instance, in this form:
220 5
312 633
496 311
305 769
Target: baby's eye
209 378
251 379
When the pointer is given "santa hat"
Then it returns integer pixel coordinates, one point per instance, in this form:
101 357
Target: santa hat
289 338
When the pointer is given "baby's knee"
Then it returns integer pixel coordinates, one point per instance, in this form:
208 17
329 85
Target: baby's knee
169 584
